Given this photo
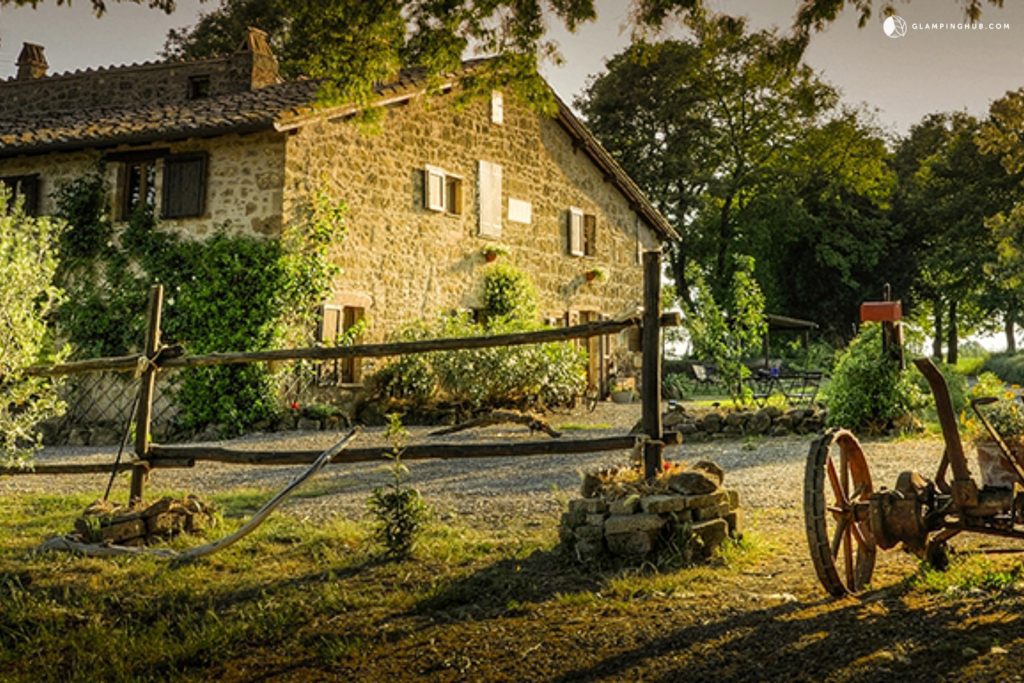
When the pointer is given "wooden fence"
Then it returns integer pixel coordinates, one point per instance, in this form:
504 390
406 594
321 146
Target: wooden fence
156 358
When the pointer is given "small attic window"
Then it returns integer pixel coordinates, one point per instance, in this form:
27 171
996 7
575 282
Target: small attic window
198 87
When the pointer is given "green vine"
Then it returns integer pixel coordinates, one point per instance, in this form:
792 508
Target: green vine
225 293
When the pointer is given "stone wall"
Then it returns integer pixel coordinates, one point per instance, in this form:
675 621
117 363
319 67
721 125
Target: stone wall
724 424
410 263
245 177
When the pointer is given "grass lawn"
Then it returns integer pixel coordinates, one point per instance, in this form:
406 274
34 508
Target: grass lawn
316 601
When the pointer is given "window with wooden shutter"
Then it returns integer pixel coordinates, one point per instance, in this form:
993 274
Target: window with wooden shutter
489 184
184 186
590 235
352 368
575 227
26 188
433 188
336 324
328 373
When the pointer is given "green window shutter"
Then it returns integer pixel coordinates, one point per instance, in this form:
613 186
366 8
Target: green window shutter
184 186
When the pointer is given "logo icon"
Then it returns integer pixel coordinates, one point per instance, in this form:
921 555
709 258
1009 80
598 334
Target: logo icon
894 27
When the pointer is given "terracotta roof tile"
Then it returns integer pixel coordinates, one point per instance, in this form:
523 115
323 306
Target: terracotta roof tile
94 127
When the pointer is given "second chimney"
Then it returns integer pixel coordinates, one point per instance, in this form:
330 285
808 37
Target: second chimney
31 62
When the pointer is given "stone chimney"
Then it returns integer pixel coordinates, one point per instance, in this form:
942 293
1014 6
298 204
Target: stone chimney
31 62
254 62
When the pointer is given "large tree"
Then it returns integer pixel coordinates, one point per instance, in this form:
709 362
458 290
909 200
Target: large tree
822 234
949 189
1003 135
703 125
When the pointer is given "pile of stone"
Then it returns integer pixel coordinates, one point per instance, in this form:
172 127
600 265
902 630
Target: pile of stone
104 522
721 424
684 511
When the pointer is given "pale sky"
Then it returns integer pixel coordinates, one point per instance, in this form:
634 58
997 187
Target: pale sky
903 78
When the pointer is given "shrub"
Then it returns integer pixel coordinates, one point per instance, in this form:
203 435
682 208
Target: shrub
226 293
399 510
987 385
868 390
1009 367
527 375
508 293
28 262
956 382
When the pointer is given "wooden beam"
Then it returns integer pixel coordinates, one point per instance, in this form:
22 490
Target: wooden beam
168 457
144 411
650 372
131 363
440 451
87 468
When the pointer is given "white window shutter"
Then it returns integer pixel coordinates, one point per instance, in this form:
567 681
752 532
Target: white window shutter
575 231
489 184
433 188
497 107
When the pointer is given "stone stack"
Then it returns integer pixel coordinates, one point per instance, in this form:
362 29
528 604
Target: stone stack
684 511
104 522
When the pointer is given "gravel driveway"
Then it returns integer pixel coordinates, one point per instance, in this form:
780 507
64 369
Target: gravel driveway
768 472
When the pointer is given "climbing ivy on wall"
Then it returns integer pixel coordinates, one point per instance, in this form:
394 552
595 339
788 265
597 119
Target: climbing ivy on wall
225 293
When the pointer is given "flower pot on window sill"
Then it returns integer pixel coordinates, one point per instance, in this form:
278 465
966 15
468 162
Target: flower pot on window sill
491 256
594 275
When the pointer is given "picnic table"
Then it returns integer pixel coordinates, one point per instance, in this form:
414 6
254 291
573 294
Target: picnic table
798 387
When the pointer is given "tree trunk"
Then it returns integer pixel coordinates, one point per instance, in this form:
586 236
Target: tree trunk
721 284
952 341
677 262
937 339
1011 334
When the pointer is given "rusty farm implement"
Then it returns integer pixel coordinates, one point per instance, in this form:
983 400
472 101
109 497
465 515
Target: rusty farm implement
848 519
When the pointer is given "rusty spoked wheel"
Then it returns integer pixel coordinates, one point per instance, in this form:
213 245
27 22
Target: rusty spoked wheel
842 548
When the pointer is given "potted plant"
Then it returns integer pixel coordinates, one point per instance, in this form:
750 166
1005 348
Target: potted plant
596 275
1006 417
491 252
621 392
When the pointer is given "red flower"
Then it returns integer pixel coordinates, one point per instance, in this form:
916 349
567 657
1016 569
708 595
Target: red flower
295 405
666 465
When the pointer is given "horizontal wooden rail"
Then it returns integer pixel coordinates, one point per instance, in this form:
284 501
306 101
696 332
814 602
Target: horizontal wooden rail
439 451
133 363
89 468
187 456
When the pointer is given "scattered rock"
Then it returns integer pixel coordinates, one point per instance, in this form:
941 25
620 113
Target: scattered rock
711 533
624 506
635 544
658 504
689 482
760 422
711 423
711 469
621 524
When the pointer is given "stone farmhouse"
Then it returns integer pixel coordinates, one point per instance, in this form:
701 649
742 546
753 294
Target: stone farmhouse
225 143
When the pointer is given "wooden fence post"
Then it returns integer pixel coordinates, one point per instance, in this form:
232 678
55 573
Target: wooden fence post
144 415
650 388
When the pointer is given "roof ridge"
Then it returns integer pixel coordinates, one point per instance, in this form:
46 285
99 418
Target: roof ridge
110 69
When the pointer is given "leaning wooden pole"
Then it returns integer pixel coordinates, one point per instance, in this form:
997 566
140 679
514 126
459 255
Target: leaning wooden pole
650 388
147 381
